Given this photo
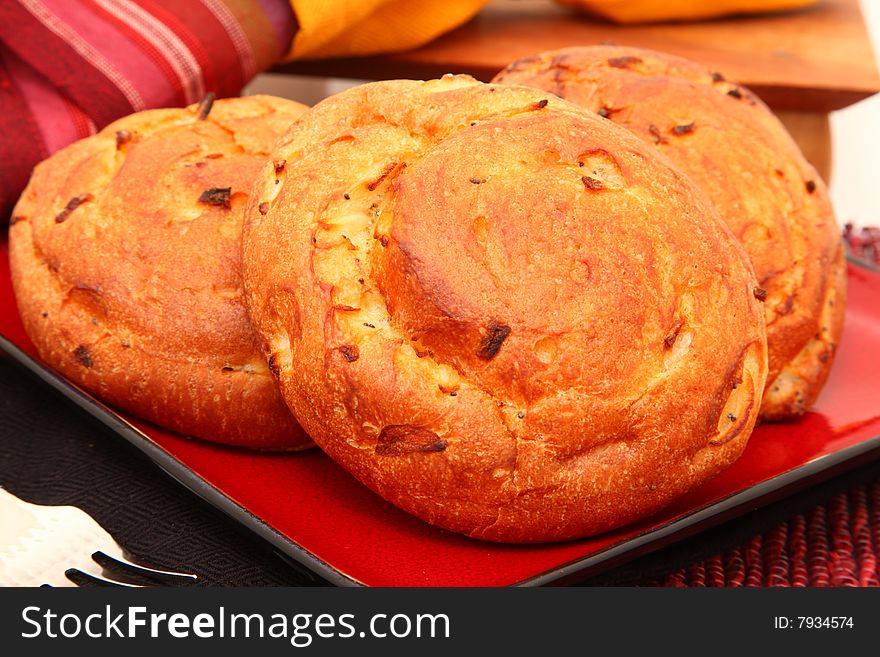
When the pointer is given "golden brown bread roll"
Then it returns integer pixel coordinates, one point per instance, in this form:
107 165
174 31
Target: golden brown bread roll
125 256
735 149
503 314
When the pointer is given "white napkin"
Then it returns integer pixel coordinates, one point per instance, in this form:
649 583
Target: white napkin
38 543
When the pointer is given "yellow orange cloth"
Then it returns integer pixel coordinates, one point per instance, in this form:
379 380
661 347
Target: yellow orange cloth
339 28
649 11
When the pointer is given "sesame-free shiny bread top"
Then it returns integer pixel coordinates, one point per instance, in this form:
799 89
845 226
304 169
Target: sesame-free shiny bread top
723 137
502 313
125 254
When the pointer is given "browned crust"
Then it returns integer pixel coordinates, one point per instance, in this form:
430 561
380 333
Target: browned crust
735 149
135 294
798 385
536 360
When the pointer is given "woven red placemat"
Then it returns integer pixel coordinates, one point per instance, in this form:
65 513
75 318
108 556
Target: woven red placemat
834 544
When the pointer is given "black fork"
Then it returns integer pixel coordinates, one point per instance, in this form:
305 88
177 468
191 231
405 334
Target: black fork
119 572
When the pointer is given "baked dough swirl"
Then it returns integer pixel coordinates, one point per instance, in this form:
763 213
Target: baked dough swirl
505 315
125 250
722 136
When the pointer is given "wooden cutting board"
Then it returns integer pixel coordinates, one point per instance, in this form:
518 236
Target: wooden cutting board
816 59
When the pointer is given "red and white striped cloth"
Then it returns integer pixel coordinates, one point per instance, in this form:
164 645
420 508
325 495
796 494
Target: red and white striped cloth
70 67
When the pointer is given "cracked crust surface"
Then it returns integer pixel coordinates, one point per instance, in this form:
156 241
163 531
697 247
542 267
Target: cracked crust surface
734 148
126 265
503 314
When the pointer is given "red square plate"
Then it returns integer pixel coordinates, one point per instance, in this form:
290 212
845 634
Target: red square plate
320 516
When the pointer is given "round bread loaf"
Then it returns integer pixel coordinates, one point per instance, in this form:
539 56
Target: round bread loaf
125 251
738 152
503 314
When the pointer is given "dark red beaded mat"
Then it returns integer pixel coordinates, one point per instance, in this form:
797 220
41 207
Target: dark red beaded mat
834 544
